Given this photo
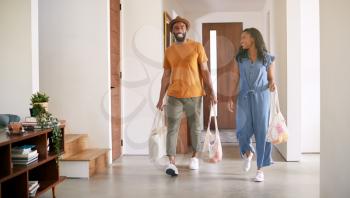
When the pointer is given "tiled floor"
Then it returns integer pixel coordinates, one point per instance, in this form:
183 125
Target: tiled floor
135 176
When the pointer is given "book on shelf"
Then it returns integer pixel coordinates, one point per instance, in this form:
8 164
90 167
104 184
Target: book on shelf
26 159
48 144
32 185
29 123
31 127
33 190
24 149
24 162
30 119
25 155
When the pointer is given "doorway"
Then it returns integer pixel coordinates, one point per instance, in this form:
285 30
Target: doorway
221 42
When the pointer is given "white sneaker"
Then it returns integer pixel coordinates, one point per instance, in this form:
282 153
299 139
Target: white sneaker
194 163
247 162
259 176
171 170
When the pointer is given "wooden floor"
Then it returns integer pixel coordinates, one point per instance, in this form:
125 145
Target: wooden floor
136 176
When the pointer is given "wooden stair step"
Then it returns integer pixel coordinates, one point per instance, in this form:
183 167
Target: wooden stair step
86 155
74 143
85 163
68 138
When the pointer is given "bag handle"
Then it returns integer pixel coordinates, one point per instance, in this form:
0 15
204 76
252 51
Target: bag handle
277 103
274 105
159 119
215 119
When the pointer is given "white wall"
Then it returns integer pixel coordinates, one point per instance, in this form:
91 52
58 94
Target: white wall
35 44
249 19
74 65
294 95
285 30
335 97
16 56
277 9
142 47
278 45
310 77
173 8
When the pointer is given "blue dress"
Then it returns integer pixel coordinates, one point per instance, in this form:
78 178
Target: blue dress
253 104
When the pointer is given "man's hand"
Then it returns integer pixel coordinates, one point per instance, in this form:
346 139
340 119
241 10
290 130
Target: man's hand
213 99
160 105
164 87
208 82
231 106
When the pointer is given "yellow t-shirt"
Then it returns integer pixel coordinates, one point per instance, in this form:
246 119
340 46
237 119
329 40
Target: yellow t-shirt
183 60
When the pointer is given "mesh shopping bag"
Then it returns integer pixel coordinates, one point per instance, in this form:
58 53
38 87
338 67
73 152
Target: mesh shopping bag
212 149
277 132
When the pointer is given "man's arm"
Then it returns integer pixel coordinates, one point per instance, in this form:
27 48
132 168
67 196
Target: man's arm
208 84
164 87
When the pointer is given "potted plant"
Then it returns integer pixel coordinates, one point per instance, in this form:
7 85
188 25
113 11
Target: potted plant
46 120
38 100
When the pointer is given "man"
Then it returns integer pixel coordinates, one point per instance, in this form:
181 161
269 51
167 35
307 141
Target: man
186 79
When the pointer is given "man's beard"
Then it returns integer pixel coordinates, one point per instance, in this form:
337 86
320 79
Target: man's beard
180 37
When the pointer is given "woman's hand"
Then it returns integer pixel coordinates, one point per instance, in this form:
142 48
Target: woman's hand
272 86
231 106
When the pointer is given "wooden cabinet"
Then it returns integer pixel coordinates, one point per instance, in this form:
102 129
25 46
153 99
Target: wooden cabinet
14 178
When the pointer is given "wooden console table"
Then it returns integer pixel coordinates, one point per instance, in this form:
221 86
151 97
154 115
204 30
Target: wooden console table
14 179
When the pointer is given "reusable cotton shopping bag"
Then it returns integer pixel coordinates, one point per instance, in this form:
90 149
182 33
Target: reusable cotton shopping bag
157 139
277 131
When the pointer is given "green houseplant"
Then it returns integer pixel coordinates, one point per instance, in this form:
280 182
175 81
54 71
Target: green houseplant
46 120
39 99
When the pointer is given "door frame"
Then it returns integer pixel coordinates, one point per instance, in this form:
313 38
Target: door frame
115 49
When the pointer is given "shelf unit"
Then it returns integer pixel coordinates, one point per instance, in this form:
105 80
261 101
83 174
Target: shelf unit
14 178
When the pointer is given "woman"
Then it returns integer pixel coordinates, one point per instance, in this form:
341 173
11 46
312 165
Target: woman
255 71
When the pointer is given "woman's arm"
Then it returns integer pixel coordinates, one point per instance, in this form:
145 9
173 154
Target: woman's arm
234 81
271 77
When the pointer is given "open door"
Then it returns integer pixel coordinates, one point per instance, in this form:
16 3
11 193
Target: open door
221 42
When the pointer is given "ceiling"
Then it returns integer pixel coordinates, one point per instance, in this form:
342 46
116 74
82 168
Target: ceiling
207 6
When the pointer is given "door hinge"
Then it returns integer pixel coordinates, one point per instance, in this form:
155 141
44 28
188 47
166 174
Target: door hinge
120 6
120 75
121 142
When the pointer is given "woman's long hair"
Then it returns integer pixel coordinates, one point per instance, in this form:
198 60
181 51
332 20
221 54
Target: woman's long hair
259 44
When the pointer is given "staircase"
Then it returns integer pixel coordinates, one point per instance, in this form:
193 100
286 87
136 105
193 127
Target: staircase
79 161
